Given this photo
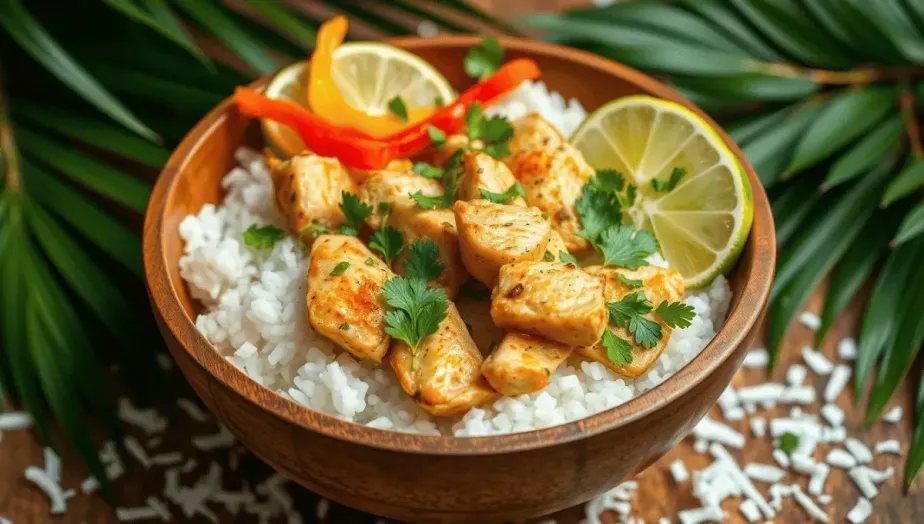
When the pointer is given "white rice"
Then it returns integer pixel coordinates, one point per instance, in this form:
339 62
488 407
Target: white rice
255 316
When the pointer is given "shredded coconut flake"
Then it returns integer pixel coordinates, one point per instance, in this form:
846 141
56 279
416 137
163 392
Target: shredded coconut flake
710 430
858 450
147 420
759 426
15 420
860 511
833 414
192 409
819 364
809 505
894 415
810 320
679 471
860 476
52 488
222 439
839 458
756 358
847 349
888 446
836 383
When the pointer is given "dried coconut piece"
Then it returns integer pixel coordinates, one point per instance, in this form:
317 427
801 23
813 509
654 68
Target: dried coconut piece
808 504
894 415
795 374
858 450
860 511
137 450
819 364
738 476
192 409
756 358
819 476
50 486
700 515
804 395
824 498
14 420
833 414
888 446
840 458
878 476
223 439
810 320
133 514
768 392
749 509
781 458
847 348
148 420
860 477
679 471
710 430
764 472
759 426
836 382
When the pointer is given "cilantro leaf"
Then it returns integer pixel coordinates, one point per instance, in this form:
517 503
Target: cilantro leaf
474 121
385 207
788 442
513 192
396 107
568 258
628 307
388 241
340 268
629 282
496 129
418 309
599 210
618 350
314 229
423 260
647 332
437 136
438 101
370 261
262 237
675 314
498 150
548 257
355 212
631 193
482 61
426 170
623 246
609 180
442 201
666 185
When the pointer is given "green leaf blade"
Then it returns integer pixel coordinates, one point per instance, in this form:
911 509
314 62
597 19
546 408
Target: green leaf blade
870 151
908 180
911 226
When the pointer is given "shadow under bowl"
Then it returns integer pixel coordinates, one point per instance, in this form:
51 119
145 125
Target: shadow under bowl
441 478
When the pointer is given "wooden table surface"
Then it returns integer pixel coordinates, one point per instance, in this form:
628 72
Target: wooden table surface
657 495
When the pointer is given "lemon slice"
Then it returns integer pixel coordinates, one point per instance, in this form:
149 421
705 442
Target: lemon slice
369 74
702 223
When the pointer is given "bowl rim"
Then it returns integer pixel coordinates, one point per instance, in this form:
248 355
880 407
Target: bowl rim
739 322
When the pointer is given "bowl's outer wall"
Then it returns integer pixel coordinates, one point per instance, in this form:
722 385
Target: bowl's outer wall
421 479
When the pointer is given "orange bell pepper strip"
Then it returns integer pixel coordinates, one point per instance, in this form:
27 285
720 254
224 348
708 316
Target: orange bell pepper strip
326 99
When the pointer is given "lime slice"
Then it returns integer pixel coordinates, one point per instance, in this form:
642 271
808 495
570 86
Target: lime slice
702 223
369 74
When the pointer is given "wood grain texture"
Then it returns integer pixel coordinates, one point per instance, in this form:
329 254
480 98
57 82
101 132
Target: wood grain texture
442 479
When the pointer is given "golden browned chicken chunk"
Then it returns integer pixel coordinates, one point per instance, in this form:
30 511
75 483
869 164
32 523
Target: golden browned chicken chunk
550 299
400 165
491 235
659 285
534 132
395 188
474 304
438 225
446 378
482 171
553 181
522 364
555 247
345 302
309 189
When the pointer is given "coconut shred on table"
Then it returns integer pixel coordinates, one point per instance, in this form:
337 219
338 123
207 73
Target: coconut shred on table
402 255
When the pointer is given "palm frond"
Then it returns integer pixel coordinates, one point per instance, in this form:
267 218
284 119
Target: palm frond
825 100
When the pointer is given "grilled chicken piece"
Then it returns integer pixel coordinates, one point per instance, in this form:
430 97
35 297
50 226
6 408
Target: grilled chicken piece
348 307
557 301
555 247
400 165
482 171
446 378
395 188
438 225
659 285
309 189
438 156
476 312
522 364
532 132
553 181
491 235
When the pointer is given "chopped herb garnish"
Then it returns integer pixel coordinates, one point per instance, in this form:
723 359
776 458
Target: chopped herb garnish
599 209
545 215
442 201
647 332
344 327
498 150
426 170
788 442
548 257
568 258
666 185
512 193
355 211
629 282
418 310
262 237
631 193
675 314
385 207
388 241
609 180
627 313
314 229
423 260
623 246
340 268
396 107
370 261
475 292
437 136
618 350
482 61
438 101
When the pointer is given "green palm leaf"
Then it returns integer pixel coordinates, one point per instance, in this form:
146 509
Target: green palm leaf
912 226
910 179
164 23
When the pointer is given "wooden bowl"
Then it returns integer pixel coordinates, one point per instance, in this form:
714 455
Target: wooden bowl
440 478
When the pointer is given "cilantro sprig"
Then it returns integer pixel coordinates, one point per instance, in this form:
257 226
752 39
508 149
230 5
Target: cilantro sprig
623 246
262 237
512 193
618 350
417 310
676 314
664 186
629 282
628 312
388 242
426 170
355 211
486 58
397 107
599 209
440 201
493 131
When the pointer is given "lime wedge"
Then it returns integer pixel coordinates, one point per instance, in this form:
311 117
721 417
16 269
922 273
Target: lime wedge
702 223
369 74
